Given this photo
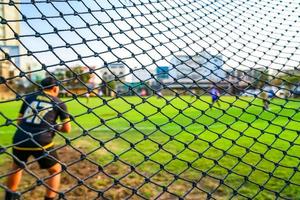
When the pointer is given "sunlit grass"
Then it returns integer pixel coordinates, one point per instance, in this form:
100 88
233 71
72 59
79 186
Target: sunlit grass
239 143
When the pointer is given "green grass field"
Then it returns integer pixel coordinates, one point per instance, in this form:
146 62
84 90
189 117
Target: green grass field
236 141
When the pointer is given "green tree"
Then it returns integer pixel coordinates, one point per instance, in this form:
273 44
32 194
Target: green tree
78 75
261 78
59 75
290 80
112 85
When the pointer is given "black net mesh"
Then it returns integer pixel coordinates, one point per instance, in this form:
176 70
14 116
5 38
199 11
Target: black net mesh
168 99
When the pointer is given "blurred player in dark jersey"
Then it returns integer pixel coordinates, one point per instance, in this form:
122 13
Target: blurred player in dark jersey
34 136
87 96
265 99
215 95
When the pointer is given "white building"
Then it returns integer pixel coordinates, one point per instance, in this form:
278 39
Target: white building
9 46
203 68
10 59
112 70
140 75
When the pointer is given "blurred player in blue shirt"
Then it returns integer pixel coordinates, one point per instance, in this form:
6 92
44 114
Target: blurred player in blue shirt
215 95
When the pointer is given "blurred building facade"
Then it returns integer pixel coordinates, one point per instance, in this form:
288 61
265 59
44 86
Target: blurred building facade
201 70
113 71
9 45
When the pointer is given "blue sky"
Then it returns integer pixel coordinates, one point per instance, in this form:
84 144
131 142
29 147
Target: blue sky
48 37
75 38
247 33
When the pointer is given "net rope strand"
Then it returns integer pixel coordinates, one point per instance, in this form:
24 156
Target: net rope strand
248 34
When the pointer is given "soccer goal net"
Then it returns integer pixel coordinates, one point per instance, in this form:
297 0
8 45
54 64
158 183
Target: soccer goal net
167 99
